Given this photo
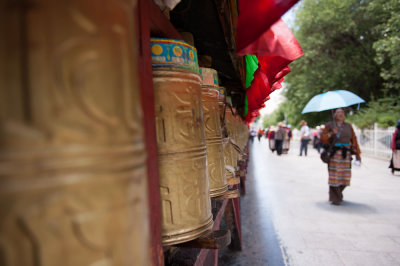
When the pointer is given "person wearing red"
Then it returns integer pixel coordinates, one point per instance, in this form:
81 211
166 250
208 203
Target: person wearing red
260 134
395 146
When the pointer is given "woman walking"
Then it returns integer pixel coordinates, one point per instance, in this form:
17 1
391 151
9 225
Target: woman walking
395 146
286 141
279 137
343 142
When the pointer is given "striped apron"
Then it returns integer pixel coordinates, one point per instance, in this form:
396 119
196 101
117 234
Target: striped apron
339 168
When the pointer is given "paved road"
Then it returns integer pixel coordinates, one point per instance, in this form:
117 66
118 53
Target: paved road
287 219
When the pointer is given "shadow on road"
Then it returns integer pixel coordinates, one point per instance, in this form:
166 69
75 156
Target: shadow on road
347 206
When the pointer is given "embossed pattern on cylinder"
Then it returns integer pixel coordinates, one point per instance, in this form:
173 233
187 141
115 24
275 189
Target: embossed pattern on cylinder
237 135
73 182
184 185
230 123
228 158
216 164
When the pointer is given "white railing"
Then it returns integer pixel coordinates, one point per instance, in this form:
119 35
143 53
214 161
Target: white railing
373 142
376 141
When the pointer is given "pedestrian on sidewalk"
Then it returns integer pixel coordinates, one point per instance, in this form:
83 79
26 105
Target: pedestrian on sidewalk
304 137
317 139
279 137
271 138
260 134
395 146
286 141
343 141
252 134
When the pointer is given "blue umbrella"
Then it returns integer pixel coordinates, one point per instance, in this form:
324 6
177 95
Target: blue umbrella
331 100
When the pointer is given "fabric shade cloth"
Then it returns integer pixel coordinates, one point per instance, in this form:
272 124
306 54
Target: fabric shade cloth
278 40
258 92
251 67
255 18
273 52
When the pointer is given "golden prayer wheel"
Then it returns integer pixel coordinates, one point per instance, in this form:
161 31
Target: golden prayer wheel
242 136
236 136
231 123
229 150
228 159
221 102
227 147
184 185
212 124
240 132
73 182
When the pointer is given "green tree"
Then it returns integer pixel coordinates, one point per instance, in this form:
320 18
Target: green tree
273 118
384 111
348 44
387 47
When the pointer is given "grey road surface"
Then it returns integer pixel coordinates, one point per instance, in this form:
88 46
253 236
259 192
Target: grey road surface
287 219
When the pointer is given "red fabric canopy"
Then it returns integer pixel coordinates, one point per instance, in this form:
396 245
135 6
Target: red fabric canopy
258 92
275 50
256 17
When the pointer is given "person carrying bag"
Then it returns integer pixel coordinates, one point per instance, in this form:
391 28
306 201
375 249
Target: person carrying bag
395 146
342 142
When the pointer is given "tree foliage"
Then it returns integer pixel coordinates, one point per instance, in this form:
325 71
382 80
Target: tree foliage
274 118
384 111
387 46
348 44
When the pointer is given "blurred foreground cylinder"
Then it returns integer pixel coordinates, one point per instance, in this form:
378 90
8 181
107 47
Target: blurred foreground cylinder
73 188
184 187
212 124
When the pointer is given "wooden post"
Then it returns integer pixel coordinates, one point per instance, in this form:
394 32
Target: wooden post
151 23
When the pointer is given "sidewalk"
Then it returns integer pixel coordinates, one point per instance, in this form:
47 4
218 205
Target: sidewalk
290 194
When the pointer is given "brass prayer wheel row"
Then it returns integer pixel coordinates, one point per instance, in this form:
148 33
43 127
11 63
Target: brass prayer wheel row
236 133
73 172
189 137
212 122
184 185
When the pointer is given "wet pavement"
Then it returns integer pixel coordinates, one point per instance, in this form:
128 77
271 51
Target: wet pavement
287 219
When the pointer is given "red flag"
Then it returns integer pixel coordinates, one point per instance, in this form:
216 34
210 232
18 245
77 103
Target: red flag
282 73
275 50
277 85
278 40
258 92
255 18
250 117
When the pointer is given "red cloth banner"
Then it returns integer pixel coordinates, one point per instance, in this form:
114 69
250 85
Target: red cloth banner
275 50
256 17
